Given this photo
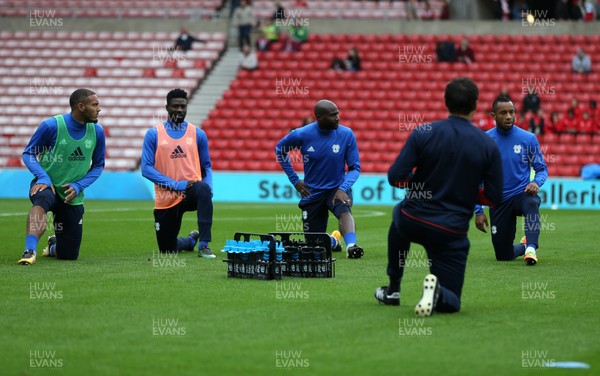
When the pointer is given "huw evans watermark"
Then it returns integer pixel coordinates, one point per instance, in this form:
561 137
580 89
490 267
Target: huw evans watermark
44 291
290 291
290 359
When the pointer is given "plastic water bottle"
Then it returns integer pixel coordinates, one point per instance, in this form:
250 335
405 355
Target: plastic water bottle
279 252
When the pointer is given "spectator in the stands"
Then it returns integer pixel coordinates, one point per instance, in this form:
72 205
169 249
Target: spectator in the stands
562 11
445 51
554 123
297 35
537 123
185 40
577 10
338 64
576 107
581 62
503 10
307 120
592 109
233 6
504 92
587 125
268 34
486 123
519 8
279 13
248 60
570 123
353 60
465 53
262 43
531 101
243 18
590 11
412 10
445 13
428 13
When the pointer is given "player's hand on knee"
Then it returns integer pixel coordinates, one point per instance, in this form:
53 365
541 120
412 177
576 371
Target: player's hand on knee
342 196
302 188
190 183
532 188
40 187
481 222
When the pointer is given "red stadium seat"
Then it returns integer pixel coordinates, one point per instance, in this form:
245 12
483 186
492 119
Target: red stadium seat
583 138
549 138
566 138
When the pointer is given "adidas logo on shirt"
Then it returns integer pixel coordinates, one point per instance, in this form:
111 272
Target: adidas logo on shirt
77 155
311 149
178 153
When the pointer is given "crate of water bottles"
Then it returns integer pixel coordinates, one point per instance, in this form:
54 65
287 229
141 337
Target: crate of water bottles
252 258
306 255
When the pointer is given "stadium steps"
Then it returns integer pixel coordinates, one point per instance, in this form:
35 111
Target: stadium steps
213 87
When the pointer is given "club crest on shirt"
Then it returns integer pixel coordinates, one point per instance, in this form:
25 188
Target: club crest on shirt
189 141
88 144
494 230
335 148
517 149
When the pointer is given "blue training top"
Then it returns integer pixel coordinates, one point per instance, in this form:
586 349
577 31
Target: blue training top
44 138
520 151
325 154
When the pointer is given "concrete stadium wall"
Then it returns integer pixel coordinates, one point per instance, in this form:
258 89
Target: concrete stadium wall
320 26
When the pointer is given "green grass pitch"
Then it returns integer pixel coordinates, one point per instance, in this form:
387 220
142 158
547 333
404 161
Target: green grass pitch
121 310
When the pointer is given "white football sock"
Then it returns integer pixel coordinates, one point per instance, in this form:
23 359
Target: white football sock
530 250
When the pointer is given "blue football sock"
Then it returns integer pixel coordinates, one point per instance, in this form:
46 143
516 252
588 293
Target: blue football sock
202 244
193 241
518 250
350 238
52 248
532 246
31 242
334 242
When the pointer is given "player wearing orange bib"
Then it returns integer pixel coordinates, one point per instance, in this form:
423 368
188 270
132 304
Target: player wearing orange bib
175 158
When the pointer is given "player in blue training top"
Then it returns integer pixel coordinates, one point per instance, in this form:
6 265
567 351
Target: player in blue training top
66 155
520 153
450 159
175 158
326 147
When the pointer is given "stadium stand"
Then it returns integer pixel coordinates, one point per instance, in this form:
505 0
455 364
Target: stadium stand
192 9
343 9
130 71
399 87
